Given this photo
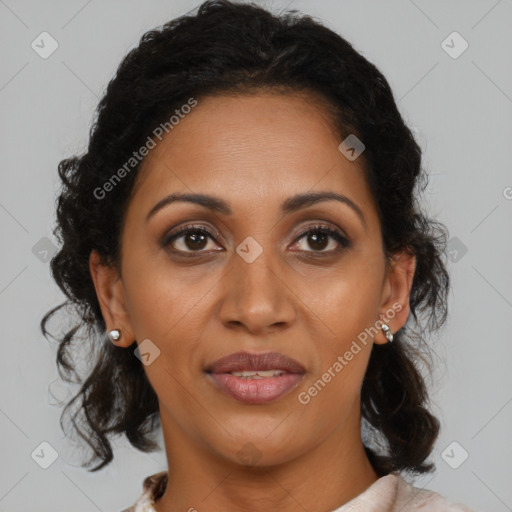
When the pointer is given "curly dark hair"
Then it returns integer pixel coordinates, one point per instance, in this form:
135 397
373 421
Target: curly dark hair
233 48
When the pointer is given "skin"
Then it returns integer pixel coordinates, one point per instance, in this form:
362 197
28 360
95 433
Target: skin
255 151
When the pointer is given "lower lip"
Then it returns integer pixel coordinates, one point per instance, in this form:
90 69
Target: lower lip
256 391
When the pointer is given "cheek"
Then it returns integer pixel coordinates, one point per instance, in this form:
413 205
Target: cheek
167 307
161 300
348 306
342 357
347 302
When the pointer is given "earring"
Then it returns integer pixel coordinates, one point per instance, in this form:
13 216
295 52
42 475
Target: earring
387 332
115 334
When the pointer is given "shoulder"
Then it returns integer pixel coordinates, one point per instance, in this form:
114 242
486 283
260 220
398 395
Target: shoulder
409 497
153 487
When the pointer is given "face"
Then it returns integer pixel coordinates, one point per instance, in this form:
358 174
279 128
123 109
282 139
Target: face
257 274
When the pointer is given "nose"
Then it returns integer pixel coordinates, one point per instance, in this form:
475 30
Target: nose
255 295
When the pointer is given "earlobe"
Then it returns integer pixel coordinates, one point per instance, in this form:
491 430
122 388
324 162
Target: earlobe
110 294
397 289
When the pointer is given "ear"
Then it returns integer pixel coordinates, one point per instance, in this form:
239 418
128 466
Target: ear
110 293
396 293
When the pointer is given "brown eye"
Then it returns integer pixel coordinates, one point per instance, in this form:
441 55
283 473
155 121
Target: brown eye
318 241
189 239
318 237
195 240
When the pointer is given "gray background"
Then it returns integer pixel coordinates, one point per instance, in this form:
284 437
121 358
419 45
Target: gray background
461 110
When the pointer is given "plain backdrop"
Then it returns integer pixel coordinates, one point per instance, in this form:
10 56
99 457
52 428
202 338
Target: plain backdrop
457 99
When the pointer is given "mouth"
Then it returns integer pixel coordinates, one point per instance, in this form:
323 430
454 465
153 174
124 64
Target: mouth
255 378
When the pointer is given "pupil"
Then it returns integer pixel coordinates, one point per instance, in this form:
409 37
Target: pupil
197 240
315 237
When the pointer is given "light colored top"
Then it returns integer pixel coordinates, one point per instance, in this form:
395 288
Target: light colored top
390 493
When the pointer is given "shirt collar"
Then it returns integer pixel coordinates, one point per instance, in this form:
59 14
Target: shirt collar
379 497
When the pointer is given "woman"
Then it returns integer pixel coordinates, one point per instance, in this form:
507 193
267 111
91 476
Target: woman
243 243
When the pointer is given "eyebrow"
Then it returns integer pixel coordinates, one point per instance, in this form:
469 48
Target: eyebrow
290 205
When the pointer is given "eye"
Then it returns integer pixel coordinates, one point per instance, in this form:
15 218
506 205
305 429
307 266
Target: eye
318 238
195 239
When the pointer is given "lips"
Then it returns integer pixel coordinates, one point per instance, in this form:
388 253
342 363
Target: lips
255 378
244 361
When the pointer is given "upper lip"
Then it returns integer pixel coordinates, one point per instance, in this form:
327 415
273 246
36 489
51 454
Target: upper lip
245 361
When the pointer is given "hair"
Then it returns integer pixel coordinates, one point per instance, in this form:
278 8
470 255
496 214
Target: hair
233 48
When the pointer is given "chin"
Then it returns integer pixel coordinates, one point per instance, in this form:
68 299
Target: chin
258 449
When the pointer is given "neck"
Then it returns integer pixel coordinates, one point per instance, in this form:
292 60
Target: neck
322 479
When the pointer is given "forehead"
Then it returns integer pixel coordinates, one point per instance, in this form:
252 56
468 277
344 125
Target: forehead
257 147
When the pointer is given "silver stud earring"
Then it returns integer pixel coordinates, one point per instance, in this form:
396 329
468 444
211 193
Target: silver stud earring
387 332
115 334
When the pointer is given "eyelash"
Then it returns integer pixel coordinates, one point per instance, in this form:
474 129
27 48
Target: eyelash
318 229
